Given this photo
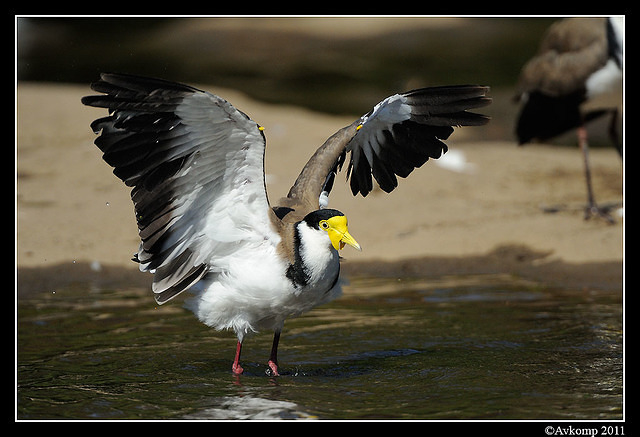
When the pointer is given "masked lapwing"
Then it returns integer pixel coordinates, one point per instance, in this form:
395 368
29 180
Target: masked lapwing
575 77
195 165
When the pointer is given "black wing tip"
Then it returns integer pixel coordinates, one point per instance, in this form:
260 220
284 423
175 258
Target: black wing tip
474 94
474 119
112 84
449 105
133 81
440 95
458 91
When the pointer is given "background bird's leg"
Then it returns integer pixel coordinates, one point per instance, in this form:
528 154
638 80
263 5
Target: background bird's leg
592 207
584 147
235 367
273 358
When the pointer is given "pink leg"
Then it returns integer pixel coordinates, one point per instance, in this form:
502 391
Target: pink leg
273 369
236 367
273 358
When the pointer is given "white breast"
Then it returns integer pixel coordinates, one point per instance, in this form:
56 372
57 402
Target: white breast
253 293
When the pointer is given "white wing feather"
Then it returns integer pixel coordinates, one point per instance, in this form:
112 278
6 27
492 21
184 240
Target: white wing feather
203 197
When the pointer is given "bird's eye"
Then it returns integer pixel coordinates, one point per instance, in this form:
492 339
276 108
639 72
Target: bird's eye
324 224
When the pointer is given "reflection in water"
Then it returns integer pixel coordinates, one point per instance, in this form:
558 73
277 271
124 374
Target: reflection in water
474 347
250 408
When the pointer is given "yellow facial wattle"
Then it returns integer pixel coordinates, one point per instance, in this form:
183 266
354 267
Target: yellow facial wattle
338 232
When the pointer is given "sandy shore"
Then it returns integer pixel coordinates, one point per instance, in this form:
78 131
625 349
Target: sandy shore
72 211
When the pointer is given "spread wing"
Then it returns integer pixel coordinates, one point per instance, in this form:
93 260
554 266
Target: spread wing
400 134
196 167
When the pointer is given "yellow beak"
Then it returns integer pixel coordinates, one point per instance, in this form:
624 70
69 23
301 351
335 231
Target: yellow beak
339 233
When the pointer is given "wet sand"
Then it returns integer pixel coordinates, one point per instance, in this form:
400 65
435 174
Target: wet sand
75 219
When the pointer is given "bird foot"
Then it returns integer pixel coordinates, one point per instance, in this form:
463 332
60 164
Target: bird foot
591 210
273 369
237 369
596 211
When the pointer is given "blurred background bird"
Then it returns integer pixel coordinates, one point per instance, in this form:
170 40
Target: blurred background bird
575 78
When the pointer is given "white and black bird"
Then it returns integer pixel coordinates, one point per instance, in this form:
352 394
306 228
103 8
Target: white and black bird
575 77
195 164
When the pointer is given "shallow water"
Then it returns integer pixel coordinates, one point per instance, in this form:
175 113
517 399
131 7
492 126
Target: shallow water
478 347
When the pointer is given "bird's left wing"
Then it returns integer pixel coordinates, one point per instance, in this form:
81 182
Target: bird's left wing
400 134
196 167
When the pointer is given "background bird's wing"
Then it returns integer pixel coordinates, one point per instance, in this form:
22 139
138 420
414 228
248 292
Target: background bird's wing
196 167
400 134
